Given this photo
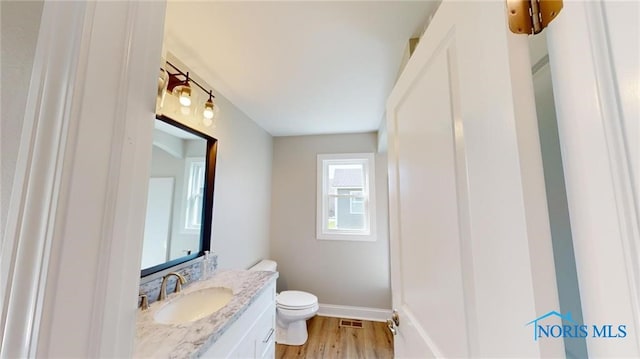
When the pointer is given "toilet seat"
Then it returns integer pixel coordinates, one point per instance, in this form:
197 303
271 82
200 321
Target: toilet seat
296 300
292 313
279 306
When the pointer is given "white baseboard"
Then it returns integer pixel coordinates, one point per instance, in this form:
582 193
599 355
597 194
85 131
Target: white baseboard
345 311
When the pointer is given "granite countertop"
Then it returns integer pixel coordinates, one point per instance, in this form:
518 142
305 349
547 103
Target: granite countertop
154 340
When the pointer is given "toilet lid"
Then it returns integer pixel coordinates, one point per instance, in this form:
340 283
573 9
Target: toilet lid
295 299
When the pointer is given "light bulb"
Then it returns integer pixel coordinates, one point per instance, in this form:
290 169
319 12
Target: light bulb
207 121
185 101
185 96
208 110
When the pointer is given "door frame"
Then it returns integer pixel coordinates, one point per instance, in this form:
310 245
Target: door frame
72 244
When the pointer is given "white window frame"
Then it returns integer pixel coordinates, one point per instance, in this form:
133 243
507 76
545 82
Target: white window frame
186 227
368 194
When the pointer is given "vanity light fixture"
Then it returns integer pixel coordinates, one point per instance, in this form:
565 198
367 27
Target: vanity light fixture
180 88
208 107
179 84
210 111
185 93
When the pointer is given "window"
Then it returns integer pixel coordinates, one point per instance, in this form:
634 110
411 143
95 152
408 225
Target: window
195 169
346 204
356 202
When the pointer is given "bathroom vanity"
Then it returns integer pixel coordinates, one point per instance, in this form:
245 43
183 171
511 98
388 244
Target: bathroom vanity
243 328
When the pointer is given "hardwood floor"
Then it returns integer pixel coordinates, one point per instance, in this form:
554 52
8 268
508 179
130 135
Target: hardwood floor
327 339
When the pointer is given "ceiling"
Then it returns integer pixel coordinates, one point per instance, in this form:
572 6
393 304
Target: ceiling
298 67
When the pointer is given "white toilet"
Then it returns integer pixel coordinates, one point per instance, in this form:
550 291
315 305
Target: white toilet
293 308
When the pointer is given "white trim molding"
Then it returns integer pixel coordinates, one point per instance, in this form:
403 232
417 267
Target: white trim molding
345 311
71 256
35 193
594 62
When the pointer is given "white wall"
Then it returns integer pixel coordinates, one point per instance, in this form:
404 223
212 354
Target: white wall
242 197
338 272
20 24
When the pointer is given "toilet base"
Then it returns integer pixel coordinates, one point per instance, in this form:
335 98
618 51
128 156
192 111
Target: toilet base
293 334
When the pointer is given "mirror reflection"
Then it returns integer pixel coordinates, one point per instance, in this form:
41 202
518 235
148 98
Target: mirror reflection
177 191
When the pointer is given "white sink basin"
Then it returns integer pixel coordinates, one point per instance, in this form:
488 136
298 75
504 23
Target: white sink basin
194 305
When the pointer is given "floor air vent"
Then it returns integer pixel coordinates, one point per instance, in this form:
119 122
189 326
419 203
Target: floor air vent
351 323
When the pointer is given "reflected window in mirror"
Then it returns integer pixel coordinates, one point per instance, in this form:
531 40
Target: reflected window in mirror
195 167
180 196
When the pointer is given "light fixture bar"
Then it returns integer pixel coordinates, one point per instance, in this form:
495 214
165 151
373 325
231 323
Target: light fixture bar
189 79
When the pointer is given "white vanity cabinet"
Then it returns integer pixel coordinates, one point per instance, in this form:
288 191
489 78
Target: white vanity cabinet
252 335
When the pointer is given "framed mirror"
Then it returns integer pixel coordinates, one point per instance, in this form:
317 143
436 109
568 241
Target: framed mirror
180 198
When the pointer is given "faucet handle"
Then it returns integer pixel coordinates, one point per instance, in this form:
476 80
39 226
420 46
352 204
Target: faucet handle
144 303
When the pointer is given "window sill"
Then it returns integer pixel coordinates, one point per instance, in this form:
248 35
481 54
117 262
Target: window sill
346 237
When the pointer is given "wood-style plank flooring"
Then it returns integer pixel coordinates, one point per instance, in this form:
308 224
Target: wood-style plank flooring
328 340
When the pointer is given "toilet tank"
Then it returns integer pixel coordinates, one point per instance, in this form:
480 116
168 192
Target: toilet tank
265 264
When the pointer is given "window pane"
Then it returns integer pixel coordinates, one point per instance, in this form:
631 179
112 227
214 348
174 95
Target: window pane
349 221
346 176
345 218
347 180
356 205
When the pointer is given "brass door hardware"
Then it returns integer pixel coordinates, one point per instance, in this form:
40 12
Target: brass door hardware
531 16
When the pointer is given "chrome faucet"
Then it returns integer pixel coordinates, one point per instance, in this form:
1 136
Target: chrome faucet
179 282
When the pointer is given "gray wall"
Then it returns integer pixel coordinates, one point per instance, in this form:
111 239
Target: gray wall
243 190
242 198
20 22
338 272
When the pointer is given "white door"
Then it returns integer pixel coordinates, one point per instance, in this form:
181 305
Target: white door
471 254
